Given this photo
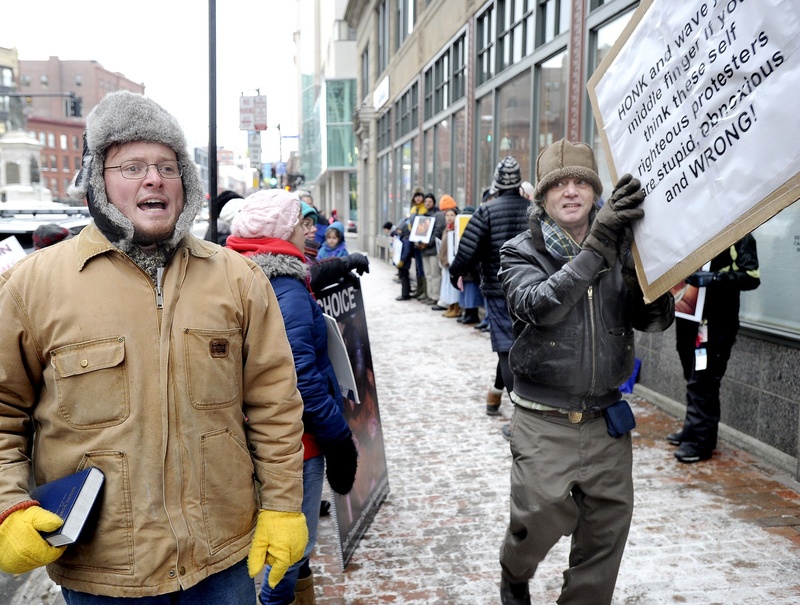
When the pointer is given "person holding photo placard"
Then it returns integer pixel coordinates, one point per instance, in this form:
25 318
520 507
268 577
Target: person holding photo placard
574 305
705 347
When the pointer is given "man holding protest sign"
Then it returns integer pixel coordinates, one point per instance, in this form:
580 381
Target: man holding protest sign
574 302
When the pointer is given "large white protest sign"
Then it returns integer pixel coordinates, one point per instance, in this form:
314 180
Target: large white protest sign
698 101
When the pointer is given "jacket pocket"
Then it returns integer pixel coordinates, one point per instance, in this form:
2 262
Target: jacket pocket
549 357
616 363
228 495
92 382
107 537
213 367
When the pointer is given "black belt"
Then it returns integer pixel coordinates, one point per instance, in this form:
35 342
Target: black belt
573 417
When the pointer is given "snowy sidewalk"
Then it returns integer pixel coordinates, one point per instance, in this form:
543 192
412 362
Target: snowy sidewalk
723 531
719 532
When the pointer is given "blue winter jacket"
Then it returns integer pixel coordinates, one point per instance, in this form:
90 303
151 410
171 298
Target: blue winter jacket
308 336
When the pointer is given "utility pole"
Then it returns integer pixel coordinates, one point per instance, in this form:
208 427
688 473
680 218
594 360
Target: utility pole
212 119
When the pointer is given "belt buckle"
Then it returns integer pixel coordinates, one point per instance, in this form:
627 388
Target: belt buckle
575 417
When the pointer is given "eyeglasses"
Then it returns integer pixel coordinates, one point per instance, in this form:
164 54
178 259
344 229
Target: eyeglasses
136 170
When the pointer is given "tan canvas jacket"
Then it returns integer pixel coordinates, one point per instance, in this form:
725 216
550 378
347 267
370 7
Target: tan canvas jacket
187 401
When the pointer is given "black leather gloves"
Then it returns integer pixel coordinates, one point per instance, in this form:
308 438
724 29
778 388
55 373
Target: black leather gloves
357 261
618 212
341 463
700 279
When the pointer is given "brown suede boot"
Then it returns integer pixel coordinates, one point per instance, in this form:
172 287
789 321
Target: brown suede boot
452 311
304 591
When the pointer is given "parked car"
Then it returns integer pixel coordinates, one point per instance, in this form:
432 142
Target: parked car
21 221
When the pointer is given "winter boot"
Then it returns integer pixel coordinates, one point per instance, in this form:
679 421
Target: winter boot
304 591
471 316
493 401
422 290
453 310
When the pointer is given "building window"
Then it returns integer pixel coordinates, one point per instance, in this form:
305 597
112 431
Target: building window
514 120
51 140
516 37
6 77
772 307
365 86
383 37
53 162
340 104
428 93
552 79
76 142
444 159
342 31
384 130
441 83
460 156
554 16
486 157
406 112
459 68
428 142
62 139
65 163
404 21
44 162
43 81
77 163
42 138
603 38
485 46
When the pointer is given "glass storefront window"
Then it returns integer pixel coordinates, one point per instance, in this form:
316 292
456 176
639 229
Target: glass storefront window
444 169
428 180
404 168
773 305
604 38
553 99
460 157
514 122
484 156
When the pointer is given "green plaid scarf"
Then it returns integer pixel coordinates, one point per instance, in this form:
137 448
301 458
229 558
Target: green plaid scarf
556 240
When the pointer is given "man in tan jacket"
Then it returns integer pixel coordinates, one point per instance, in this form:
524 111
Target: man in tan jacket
162 360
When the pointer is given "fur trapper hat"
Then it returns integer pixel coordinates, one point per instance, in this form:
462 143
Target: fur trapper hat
562 160
507 174
125 117
267 213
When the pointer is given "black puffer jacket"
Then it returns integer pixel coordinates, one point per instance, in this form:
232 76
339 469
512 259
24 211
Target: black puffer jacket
492 225
573 324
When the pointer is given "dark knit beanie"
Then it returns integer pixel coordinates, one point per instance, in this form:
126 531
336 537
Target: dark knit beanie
507 174
563 160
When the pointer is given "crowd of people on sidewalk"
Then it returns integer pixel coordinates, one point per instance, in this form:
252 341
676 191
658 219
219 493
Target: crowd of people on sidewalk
548 272
199 381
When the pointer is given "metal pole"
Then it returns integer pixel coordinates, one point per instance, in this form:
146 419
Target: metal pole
212 119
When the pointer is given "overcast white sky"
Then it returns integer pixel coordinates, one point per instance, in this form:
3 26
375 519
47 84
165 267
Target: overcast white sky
138 39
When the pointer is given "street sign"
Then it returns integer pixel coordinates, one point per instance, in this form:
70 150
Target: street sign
280 168
253 112
261 112
254 147
247 113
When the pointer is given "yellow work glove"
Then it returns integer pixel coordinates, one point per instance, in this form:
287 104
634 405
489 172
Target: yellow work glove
280 540
22 547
